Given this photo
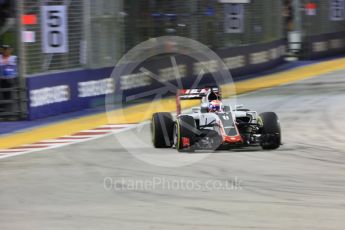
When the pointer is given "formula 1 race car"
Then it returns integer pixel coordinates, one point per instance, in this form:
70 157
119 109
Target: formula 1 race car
214 126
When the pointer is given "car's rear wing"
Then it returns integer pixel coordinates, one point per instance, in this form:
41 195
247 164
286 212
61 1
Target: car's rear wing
190 94
194 94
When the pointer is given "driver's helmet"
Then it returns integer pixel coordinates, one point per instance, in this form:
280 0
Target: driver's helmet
215 106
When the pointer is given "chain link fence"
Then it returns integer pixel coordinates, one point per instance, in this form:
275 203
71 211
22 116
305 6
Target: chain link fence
204 21
39 62
324 20
104 26
322 27
94 36
101 31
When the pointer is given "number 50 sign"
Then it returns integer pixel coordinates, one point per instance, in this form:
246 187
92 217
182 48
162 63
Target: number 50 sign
54 29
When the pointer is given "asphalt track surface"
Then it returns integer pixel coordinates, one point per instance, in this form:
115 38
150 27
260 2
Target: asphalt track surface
299 186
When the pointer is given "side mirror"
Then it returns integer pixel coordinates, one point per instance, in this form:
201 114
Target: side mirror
203 109
238 107
195 109
226 109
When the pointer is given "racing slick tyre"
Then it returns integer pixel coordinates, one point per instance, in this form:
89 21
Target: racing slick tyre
184 133
162 126
271 131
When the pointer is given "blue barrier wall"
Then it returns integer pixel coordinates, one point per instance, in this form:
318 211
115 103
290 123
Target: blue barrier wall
66 99
324 45
57 93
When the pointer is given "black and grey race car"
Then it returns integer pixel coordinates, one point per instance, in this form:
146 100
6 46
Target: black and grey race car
213 126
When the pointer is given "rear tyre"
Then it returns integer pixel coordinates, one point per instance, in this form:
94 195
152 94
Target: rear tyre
162 126
184 133
270 130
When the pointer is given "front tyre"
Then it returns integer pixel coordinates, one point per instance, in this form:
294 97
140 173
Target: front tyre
271 132
162 126
184 133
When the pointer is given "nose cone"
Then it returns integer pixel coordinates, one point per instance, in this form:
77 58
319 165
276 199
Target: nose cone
233 139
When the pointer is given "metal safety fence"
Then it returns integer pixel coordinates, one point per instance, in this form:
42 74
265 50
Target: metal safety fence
324 28
99 32
12 94
217 24
322 16
38 60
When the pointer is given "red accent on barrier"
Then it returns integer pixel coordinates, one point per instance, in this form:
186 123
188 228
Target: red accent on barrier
31 147
15 151
89 133
108 128
29 19
311 6
310 9
72 138
51 142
